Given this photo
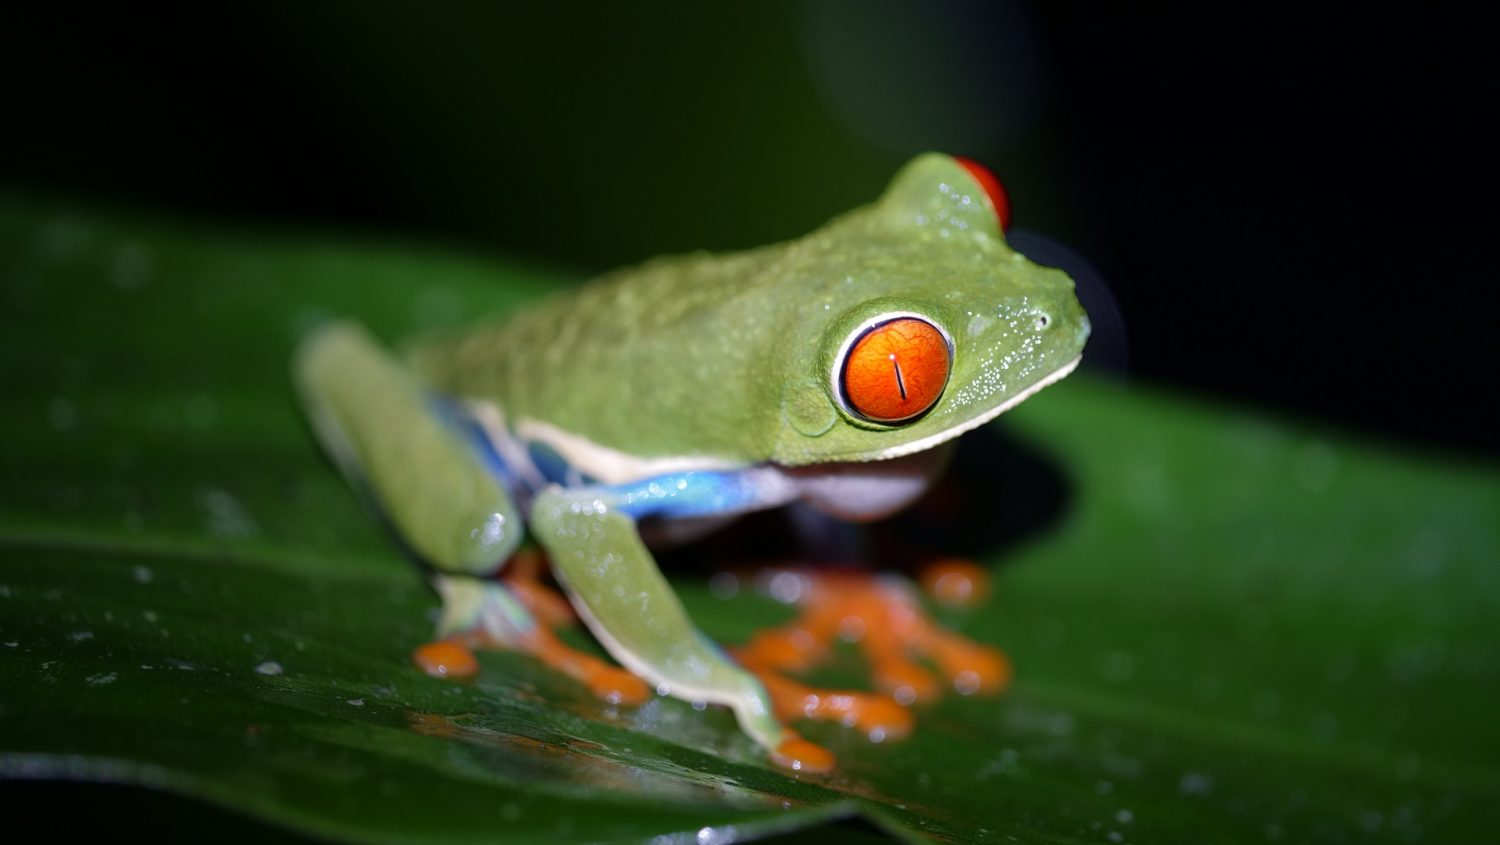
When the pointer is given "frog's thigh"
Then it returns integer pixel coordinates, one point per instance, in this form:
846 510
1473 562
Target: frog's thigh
384 432
620 593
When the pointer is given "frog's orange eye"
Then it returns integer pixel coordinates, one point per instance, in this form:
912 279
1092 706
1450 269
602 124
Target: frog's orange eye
992 188
895 370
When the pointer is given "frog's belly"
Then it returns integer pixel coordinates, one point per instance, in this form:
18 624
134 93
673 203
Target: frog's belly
530 455
871 490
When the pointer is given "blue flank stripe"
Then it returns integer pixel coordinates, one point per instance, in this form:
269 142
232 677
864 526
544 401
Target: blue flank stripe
682 495
453 415
686 494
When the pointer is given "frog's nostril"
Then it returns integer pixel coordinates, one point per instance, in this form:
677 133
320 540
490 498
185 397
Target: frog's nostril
1043 321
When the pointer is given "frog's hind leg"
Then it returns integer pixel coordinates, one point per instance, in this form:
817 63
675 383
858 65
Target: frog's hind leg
385 433
445 498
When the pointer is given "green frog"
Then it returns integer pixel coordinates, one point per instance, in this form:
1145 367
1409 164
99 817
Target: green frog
660 401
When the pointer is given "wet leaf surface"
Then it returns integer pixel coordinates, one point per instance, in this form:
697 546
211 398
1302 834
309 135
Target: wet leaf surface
1230 629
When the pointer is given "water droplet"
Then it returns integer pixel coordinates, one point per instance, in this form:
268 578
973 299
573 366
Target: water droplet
270 667
724 585
226 517
1195 783
851 629
786 587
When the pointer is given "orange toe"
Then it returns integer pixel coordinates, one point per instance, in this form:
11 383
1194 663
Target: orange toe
876 716
971 668
617 686
799 755
611 683
789 649
446 659
955 581
907 682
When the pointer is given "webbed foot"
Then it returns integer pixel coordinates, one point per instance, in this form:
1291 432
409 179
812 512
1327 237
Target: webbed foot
518 613
884 618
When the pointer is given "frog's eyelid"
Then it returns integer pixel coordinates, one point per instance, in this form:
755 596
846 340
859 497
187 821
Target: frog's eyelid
993 188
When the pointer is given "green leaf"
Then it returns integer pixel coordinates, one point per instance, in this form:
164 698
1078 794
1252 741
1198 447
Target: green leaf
1236 630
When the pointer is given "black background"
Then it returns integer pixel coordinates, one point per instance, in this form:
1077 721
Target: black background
1292 206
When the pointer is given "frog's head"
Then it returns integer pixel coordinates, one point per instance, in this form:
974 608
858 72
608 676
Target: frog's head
927 324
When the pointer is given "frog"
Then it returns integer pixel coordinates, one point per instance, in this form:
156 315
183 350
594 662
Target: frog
658 402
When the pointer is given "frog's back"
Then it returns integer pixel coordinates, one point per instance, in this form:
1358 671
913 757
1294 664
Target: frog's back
731 358
656 361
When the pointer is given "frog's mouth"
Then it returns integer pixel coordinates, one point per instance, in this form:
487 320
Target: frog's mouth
941 437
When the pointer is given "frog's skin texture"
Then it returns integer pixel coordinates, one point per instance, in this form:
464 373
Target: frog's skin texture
689 389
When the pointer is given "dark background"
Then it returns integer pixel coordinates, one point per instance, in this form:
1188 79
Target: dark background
1292 207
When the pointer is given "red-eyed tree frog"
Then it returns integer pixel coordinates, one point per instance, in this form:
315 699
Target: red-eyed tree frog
831 370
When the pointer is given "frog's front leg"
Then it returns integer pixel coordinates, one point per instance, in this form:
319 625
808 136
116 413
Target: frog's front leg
597 553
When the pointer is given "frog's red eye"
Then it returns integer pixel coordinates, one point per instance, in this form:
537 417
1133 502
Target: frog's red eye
992 189
895 370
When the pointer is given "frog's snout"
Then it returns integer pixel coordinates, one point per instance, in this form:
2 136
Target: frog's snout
1085 328
1079 323
1067 317
1059 321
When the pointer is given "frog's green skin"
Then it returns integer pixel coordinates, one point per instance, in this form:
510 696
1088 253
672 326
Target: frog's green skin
689 387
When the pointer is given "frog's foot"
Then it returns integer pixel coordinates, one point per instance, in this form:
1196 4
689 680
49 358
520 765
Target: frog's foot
955 581
884 617
608 682
523 574
515 614
876 716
